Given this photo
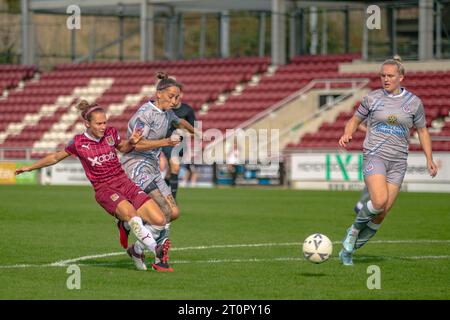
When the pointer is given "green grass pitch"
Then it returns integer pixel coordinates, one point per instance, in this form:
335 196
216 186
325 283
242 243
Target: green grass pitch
238 243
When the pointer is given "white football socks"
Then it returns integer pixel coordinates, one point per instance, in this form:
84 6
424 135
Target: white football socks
142 233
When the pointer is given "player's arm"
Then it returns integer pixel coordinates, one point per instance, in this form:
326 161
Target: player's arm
48 160
186 125
363 127
145 144
425 142
127 145
350 128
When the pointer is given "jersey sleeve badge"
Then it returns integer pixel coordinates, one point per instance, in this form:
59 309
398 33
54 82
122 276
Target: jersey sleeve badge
110 140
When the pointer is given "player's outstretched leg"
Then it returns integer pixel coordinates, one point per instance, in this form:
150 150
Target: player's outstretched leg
366 214
136 253
350 239
162 257
346 257
174 184
124 232
366 234
363 198
126 212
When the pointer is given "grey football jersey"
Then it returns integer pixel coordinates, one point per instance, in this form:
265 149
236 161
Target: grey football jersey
154 122
389 119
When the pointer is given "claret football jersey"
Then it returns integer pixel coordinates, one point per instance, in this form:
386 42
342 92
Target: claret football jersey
98 156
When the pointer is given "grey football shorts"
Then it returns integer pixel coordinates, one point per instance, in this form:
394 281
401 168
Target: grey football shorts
146 177
394 171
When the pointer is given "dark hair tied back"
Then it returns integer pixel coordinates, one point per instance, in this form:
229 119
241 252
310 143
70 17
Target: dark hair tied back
164 81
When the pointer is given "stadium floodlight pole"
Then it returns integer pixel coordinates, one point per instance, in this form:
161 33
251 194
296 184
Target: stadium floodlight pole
324 48
365 38
313 29
147 31
392 18
121 17
346 29
438 30
27 33
202 35
292 32
303 28
262 34
180 27
224 34
73 44
278 45
425 29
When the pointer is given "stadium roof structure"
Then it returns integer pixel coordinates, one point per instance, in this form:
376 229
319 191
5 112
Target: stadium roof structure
110 6
280 11
132 6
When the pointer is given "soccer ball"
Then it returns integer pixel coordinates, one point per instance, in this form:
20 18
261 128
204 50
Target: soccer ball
317 248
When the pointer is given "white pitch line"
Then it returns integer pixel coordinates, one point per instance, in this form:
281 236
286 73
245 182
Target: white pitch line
65 263
219 261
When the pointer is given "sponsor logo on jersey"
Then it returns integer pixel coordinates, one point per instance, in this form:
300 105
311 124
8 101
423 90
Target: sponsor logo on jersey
103 158
85 146
114 197
392 120
110 140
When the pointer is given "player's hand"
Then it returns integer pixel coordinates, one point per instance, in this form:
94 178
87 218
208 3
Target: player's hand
22 170
345 139
432 168
136 136
175 140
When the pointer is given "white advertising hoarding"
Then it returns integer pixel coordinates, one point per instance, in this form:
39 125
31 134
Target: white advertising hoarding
336 170
64 173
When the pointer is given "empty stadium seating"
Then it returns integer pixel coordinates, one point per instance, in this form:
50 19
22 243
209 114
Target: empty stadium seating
285 81
11 75
434 95
41 116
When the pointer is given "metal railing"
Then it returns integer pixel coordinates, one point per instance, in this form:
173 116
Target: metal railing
355 84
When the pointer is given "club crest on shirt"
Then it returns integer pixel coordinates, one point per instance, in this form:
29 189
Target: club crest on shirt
114 197
406 108
392 120
110 140
139 125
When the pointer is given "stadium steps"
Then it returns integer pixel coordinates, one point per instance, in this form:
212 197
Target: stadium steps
435 97
42 115
34 126
271 89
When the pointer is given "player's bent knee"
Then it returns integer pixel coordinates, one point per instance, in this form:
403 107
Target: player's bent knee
159 220
151 213
175 213
379 203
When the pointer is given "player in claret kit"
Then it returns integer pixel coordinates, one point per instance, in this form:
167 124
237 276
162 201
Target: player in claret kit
114 191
